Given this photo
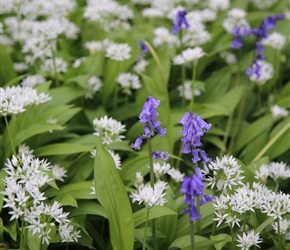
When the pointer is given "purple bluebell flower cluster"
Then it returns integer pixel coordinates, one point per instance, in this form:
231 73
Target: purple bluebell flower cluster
180 21
262 33
148 116
143 46
193 187
194 128
157 155
239 33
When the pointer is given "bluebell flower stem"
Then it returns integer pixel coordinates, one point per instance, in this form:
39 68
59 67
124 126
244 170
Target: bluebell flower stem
145 230
193 86
198 212
9 135
159 65
152 182
191 235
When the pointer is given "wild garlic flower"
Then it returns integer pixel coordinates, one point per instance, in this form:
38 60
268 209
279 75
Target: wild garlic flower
249 239
223 173
161 169
116 157
279 170
196 35
176 175
128 81
109 129
94 46
22 195
235 18
151 13
32 81
93 86
163 38
275 40
263 173
185 90
15 99
229 57
59 173
20 67
60 65
189 56
217 5
139 180
78 62
263 4
25 150
284 226
109 14
140 66
118 51
260 72
150 196
278 112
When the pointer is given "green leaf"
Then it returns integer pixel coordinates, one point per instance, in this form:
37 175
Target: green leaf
7 71
62 149
155 212
199 242
87 207
15 80
113 197
222 240
253 131
79 190
66 200
261 227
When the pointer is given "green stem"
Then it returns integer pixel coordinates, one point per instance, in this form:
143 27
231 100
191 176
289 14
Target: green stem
54 70
66 247
227 133
198 212
245 223
159 65
279 234
277 186
191 235
145 231
213 228
9 135
22 234
152 181
272 141
233 239
115 98
193 86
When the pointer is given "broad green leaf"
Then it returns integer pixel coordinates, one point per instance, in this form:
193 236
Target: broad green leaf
62 149
261 227
199 242
222 239
253 131
94 64
113 197
87 207
11 229
15 80
155 212
7 72
79 190
66 200
34 241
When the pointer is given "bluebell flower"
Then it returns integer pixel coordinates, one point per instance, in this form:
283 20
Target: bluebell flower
193 187
239 33
148 116
180 21
194 128
144 48
157 155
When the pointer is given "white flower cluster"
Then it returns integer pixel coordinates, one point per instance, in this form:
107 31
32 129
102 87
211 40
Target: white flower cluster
95 46
185 90
189 56
163 38
275 40
263 4
22 195
118 51
109 129
223 173
165 168
248 240
16 99
94 85
54 65
236 18
109 14
150 196
275 170
128 81
266 72
278 111
140 66
32 81
229 57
